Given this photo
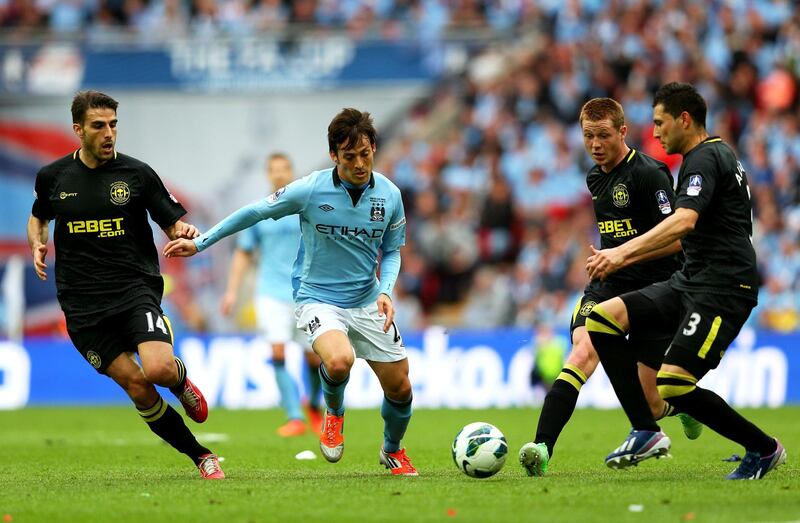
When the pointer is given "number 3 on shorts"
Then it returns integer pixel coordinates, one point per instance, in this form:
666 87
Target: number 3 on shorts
694 319
158 323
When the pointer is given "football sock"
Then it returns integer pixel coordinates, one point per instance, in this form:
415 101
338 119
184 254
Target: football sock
315 386
709 409
169 426
669 410
619 362
290 395
333 392
396 415
559 404
178 387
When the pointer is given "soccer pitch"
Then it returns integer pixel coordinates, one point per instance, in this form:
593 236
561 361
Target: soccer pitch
103 464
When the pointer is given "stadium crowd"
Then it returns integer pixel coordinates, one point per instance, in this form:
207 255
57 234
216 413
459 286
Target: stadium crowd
501 216
492 164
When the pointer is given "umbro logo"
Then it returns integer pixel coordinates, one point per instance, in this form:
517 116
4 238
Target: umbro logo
313 325
325 207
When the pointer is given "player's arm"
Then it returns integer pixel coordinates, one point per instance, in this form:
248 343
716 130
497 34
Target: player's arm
37 240
240 261
280 204
181 229
668 250
394 238
602 263
390 270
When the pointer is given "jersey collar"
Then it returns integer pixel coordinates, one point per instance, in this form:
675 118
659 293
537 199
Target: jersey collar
338 181
621 164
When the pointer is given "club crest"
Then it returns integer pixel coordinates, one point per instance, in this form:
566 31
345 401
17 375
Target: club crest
120 193
620 195
377 213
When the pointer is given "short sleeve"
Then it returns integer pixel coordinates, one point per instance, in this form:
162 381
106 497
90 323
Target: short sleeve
698 181
657 191
42 208
163 207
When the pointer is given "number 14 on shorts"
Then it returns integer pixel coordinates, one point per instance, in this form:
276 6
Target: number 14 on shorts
159 323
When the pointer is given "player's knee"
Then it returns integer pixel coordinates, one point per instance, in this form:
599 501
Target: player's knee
162 373
399 391
338 367
137 387
602 320
584 356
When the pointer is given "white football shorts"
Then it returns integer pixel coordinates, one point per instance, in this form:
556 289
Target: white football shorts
276 322
361 324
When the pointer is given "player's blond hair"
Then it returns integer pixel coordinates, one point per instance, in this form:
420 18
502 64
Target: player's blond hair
598 109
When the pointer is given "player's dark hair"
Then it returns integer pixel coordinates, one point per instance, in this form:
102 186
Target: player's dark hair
678 97
347 126
598 109
86 100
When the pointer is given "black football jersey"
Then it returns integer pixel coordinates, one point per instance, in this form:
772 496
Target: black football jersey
719 251
106 260
628 201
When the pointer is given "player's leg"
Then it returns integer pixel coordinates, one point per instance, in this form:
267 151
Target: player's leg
386 355
327 329
150 330
160 417
708 327
608 324
336 355
312 406
289 394
276 323
396 414
559 404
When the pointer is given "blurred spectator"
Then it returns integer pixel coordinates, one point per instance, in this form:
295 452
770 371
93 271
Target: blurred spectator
549 349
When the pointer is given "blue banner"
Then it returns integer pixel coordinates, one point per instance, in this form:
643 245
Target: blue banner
448 369
214 65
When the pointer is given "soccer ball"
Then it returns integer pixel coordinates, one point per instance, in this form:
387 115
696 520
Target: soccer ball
479 450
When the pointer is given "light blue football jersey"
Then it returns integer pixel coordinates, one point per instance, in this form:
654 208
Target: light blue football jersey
338 255
277 242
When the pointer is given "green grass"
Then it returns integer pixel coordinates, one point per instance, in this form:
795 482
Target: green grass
102 464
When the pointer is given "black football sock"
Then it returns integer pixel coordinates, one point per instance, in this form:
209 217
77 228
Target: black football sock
177 389
712 411
169 426
559 404
619 362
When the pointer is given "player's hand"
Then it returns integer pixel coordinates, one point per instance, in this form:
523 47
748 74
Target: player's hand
385 308
227 303
181 247
39 254
603 263
182 229
187 230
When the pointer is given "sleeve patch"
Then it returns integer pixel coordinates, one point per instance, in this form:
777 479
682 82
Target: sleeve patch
395 226
272 198
695 185
663 202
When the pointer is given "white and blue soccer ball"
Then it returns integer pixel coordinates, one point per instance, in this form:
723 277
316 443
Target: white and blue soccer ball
480 450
